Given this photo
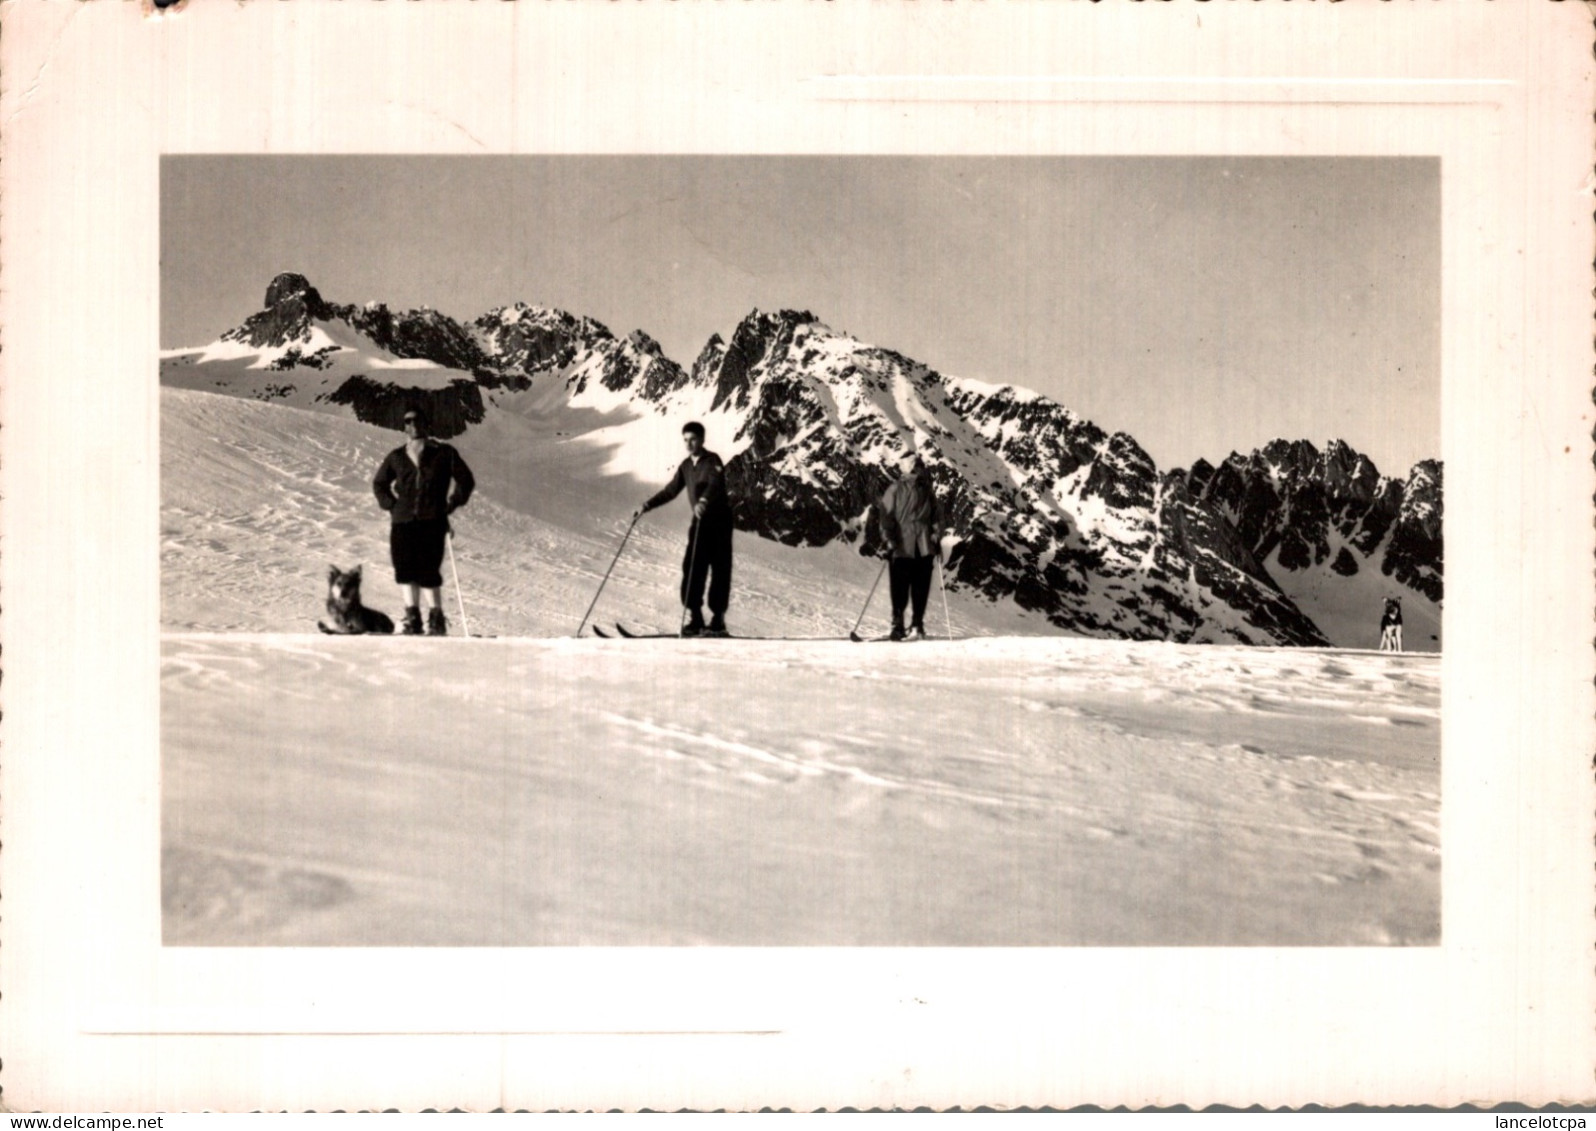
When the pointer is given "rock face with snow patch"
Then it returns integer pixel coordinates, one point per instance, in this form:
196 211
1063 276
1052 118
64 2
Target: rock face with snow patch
1414 554
523 342
449 410
1304 509
419 334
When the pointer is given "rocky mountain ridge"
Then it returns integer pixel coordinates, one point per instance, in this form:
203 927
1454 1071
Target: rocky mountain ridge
1049 511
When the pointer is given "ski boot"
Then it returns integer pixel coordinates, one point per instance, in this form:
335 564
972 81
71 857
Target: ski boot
695 624
437 623
897 633
917 632
717 626
412 622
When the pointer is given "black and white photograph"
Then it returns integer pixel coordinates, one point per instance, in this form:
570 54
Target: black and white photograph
839 551
612 556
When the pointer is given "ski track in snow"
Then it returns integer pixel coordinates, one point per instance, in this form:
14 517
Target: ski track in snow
999 789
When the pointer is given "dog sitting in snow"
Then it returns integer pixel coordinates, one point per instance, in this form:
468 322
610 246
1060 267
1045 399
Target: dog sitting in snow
1391 626
346 616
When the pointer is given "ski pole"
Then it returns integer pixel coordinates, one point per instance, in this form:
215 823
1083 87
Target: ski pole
942 576
465 625
687 582
607 573
854 632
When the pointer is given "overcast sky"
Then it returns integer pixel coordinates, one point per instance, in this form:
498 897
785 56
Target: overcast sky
1200 304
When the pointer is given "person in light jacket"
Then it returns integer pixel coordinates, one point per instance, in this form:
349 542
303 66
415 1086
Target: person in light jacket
420 484
910 521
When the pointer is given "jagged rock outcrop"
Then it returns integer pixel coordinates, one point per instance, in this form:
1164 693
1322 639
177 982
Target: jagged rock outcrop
534 339
419 334
449 410
1221 563
1302 508
523 342
292 306
1414 554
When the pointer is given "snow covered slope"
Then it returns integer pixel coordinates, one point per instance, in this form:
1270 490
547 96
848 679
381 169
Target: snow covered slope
357 791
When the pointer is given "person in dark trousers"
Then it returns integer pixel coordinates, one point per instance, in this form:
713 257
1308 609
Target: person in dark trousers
414 486
709 539
910 522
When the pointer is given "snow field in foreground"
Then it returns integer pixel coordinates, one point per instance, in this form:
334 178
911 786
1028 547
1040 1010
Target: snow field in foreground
1012 791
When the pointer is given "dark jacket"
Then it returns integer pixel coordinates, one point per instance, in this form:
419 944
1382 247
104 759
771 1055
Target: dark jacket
704 480
408 492
909 518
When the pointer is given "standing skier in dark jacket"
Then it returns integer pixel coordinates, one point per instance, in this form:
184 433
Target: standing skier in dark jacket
910 522
709 539
412 485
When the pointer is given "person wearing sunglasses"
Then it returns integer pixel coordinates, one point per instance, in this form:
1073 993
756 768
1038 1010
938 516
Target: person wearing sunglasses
420 484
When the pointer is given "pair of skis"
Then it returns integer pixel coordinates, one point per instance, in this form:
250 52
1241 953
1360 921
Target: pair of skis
620 629
887 639
621 632
625 633
853 634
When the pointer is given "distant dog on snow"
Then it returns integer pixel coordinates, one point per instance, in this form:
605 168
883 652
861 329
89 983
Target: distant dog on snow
346 616
1391 626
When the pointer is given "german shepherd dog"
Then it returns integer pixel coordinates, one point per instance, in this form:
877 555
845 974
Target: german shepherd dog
1391 626
346 616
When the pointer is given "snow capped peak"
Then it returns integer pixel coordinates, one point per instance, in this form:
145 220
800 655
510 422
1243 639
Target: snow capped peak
999 394
290 286
512 313
1288 458
292 307
759 343
642 343
773 321
533 313
1426 472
